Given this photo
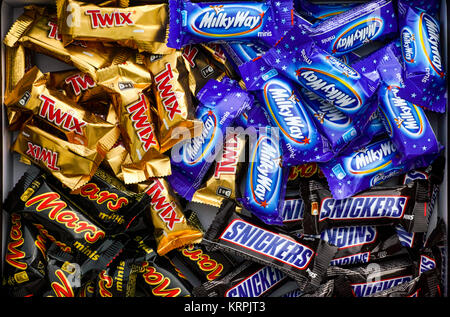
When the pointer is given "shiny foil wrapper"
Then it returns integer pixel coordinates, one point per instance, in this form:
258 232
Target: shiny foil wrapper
141 27
127 83
223 183
32 98
171 228
72 164
36 29
174 104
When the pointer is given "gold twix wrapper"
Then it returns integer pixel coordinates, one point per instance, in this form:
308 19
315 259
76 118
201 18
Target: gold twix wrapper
77 86
174 102
72 164
142 27
172 230
32 98
127 83
224 181
38 30
17 63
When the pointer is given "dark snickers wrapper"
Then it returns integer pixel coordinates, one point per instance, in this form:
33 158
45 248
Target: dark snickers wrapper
249 279
380 205
303 259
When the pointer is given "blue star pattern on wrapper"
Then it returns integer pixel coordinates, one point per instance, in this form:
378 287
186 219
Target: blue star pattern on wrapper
187 27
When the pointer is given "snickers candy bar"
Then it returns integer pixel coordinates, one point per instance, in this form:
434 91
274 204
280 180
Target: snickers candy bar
403 204
304 260
249 279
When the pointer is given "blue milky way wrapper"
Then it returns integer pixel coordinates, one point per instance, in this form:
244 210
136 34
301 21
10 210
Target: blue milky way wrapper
219 105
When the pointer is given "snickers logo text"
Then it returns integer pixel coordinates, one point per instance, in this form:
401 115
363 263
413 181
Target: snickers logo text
267 243
366 289
257 284
363 207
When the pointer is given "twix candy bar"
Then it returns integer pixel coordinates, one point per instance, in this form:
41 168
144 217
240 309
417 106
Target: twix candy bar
72 164
223 183
76 85
33 98
141 27
172 229
172 95
128 82
37 29
17 63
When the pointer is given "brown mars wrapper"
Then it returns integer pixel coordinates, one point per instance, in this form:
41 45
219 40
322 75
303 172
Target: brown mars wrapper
174 103
142 27
171 227
72 164
33 98
37 30
127 84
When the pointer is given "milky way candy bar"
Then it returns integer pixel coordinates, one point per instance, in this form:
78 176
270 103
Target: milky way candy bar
200 22
317 12
220 103
421 54
300 139
300 59
356 27
265 179
406 123
357 169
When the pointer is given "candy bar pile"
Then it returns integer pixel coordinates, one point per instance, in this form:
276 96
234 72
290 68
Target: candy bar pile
277 148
